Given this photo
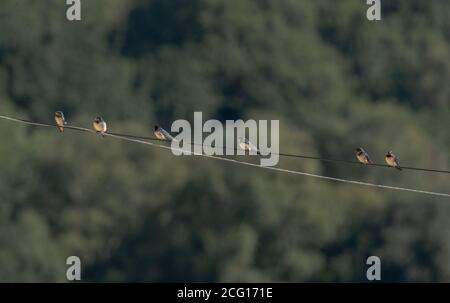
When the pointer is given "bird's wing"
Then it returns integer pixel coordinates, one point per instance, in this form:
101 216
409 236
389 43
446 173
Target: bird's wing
252 146
166 134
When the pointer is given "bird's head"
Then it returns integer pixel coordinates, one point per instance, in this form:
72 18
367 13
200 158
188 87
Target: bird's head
156 127
59 114
98 119
358 149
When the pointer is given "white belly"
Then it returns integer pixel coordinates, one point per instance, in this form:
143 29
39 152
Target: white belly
100 127
390 161
244 146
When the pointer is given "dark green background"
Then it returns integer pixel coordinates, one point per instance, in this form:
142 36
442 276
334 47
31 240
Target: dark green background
135 213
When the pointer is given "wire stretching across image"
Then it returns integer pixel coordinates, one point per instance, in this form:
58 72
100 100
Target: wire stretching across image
140 140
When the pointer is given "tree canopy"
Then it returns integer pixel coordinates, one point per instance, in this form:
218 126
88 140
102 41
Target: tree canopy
132 213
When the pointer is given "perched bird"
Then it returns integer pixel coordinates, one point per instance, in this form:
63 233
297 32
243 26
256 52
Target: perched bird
245 144
362 156
100 125
392 160
60 120
162 134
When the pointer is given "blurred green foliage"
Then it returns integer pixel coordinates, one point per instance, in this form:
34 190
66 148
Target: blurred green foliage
132 213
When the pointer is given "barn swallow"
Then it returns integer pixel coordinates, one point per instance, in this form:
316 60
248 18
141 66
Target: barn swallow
100 125
392 160
362 156
162 134
60 120
245 144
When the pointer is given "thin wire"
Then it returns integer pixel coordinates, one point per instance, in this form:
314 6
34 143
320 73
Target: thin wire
27 121
241 162
296 156
285 170
299 156
235 149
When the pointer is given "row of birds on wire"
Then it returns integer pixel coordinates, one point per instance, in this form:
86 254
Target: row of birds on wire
100 127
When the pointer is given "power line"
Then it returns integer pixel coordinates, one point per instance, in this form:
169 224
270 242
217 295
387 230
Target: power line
298 156
287 170
359 163
120 137
235 149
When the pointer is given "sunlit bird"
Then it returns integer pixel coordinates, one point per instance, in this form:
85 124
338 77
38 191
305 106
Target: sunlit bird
100 125
362 156
392 160
60 120
162 134
245 144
